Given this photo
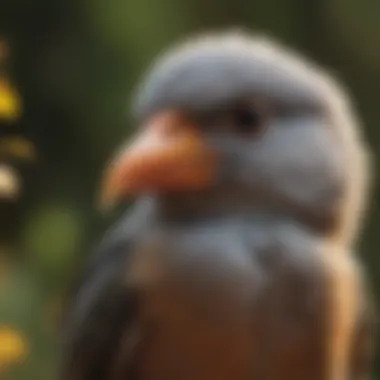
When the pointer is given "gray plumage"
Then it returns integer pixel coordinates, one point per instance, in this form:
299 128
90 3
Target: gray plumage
242 268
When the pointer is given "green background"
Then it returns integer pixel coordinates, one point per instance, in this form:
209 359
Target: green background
75 64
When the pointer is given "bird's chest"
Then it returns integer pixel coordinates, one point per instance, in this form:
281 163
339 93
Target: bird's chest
216 298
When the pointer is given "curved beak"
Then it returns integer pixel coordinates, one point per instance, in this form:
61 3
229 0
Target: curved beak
168 155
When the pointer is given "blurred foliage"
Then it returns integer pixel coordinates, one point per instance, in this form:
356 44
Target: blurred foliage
67 71
17 147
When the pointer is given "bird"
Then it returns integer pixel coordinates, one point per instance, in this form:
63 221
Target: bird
250 176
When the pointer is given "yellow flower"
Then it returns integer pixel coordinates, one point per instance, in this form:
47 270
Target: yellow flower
13 346
10 104
17 147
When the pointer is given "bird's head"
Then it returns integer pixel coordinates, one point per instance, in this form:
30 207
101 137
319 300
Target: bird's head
251 125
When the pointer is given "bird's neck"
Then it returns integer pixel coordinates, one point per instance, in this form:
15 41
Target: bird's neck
203 206
212 206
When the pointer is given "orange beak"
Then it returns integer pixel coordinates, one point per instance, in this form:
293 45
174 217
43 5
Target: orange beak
169 155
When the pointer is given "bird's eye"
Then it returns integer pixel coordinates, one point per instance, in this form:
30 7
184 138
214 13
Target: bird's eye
247 120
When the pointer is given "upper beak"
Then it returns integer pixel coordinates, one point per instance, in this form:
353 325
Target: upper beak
168 155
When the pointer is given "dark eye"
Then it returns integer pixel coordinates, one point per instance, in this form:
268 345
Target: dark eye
247 120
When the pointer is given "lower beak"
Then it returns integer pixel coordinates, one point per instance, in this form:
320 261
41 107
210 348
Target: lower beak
169 155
